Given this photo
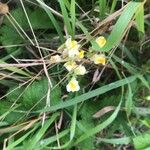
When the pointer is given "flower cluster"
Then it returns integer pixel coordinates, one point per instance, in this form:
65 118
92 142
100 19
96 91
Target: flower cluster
72 55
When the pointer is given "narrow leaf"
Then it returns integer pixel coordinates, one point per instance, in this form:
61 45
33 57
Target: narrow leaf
41 132
99 127
141 142
129 102
140 19
120 27
102 8
14 144
66 17
90 94
54 21
73 17
73 124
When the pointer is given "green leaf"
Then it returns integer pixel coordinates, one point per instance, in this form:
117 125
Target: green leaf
35 139
73 123
43 143
102 8
73 16
128 53
84 29
114 2
129 101
14 94
11 146
9 36
83 127
120 27
52 18
146 122
35 95
141 142
128 66
141 111
65 17
144 81
90 94
2 124
19 16
140 19
15 53
40 20
86 123
124 140
99 127
6 112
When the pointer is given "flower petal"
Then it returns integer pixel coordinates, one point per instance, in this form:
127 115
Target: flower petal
80 70
55 59
101 41
70 65
73 85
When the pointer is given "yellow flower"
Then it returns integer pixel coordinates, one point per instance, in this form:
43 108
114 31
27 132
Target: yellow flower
80 70
99 59
80 55
72 47
55 59
101 41
70 65
73 85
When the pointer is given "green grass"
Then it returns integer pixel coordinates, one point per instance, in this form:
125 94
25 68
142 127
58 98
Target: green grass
37 112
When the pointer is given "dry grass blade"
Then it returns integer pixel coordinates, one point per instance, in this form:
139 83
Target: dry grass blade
103 111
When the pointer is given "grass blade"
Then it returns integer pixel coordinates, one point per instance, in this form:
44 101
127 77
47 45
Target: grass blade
84 29
73 124
11 146
99 127
120 27
73 16
129 101
124 140
45 142
90 94
140 19
33 141
66 17
113 6
102 8
54 21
